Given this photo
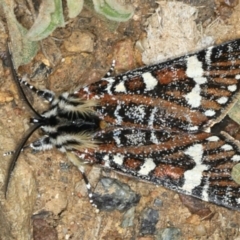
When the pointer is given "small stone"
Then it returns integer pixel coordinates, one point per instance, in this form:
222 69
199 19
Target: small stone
150 218
128 218
200 230
124 54
230 3
5 97
42 230
111 194
158 202
235 174
168 234
57 202
80 42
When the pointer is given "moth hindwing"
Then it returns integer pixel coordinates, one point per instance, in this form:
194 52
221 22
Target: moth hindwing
154 123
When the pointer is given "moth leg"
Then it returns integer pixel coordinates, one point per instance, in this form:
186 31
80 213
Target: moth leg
45 94
44 143
41 144
12 152
75 160
111 69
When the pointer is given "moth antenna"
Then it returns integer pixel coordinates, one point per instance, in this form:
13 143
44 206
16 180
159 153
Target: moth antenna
111 69
17 153
17 82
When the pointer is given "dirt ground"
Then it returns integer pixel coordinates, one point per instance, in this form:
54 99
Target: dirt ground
47 197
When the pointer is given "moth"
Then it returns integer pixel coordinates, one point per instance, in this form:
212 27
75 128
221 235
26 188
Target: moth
153 123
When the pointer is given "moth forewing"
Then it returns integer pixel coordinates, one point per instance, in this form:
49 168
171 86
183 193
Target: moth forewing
183 98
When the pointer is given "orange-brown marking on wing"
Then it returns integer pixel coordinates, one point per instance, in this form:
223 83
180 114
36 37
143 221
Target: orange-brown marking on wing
220 72
208 104
132 164
175 141
213 157
172 109
217 92
224 80
212 145
135 84
227 63
168 75
168 171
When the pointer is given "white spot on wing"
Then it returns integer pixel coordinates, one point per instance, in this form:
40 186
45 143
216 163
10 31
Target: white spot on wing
222 100
208 55
226 147
194 67
152 117
194 128
117 140
205 192
107 162
118 159
120 87
237 76
193 98
236 158
150 81
232 88
193 176
213 139
210 113
195 71
200 80
109 86
116 113
153 138
147 167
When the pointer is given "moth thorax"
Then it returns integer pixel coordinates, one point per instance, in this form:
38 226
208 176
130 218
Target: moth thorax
103 124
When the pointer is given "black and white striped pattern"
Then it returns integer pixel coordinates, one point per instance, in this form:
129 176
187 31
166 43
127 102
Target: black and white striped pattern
153 123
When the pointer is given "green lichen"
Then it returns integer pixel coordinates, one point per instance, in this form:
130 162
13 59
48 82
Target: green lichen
114 10
234 112
74 7
236 173
49 18
23 49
